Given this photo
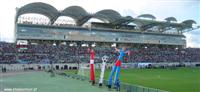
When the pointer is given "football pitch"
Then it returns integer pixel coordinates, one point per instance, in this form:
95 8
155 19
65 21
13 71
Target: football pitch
178 80
172 80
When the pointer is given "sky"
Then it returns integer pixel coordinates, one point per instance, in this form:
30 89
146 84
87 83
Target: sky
180 9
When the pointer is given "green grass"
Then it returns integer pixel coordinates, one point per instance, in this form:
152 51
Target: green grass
179 80
42 82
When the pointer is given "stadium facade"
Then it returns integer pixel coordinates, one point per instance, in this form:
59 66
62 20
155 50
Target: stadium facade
114 28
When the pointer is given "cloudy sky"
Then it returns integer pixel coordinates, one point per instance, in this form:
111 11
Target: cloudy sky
181 9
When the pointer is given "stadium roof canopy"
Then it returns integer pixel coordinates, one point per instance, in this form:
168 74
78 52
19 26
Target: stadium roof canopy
147 16
40 8
170 19
76 12
189 22
111 15
81 16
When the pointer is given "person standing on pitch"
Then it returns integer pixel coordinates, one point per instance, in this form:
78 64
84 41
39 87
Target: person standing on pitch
117 66
92 74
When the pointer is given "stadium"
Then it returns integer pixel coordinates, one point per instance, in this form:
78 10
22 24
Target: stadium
158 61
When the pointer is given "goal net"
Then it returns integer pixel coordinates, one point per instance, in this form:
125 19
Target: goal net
84 70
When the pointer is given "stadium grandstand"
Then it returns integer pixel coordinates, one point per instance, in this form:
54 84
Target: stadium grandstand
75 47
114 28
39 40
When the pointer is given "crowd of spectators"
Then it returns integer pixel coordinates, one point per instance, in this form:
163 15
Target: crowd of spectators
45 53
